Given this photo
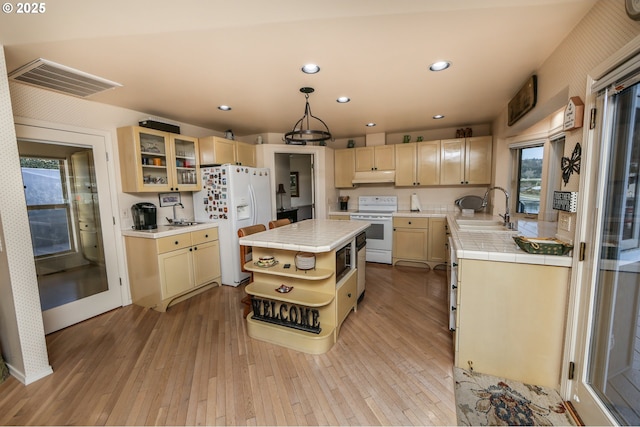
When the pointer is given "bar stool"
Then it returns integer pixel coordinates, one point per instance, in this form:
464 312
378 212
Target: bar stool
279 223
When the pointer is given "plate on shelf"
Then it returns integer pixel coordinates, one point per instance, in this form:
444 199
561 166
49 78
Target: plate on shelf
283 289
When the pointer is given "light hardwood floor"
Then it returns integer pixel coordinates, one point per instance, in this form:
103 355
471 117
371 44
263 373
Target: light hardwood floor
195 364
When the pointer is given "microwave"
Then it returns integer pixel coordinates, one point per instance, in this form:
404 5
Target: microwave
343 261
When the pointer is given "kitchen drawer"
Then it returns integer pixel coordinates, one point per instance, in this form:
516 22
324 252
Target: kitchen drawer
172 243
410 222
203 236
347 295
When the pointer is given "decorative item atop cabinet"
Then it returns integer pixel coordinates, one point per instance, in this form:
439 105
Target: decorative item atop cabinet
219 151
156 161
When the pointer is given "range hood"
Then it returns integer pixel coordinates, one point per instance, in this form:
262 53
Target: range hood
374 177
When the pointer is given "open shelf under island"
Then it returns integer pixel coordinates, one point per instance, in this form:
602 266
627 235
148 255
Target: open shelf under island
308 317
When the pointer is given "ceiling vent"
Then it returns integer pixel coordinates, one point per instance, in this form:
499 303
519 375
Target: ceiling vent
59 78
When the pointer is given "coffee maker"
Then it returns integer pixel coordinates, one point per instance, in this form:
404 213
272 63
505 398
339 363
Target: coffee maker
144 216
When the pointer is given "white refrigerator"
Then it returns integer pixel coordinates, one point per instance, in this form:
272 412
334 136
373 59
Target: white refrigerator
233 197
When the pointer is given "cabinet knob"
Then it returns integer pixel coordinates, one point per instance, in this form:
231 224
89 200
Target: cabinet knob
453 308
176 242
190 249
409 222
195 249
454 264
452 329
454 287
206 236
349 294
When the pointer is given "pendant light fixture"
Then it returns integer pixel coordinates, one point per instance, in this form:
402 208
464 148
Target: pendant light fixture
302 131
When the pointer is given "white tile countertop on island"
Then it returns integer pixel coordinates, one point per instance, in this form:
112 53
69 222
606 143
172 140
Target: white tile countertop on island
167 230
312 235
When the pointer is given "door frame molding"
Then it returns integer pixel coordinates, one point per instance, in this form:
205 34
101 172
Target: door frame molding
580 304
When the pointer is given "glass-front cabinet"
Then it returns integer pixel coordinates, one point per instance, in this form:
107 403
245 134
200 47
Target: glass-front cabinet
155 161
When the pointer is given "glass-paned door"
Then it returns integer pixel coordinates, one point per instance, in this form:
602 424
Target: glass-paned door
67 196
608 383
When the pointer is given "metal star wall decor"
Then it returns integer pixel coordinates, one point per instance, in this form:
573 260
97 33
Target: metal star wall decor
571 165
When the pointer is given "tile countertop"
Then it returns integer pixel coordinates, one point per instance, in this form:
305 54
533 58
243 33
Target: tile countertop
496 245
312 235
167 230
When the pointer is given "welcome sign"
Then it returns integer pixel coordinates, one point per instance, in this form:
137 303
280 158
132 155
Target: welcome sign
290 315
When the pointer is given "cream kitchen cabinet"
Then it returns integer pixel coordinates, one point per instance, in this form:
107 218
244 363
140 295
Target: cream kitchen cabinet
466 161
419 240
418 163
510 319
170 269
437 241
344 167
379 157
340 217
410 239
155 161
218 151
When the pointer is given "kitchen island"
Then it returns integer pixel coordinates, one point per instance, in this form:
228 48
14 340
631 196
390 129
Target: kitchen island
308 317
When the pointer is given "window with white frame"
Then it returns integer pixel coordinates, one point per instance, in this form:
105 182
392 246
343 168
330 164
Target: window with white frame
536 175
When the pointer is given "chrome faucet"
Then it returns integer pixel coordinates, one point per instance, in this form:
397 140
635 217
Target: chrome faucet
175 216
506 217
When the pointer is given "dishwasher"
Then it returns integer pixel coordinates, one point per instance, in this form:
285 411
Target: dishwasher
361 262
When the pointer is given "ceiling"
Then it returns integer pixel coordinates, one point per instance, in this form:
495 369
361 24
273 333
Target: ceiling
180 60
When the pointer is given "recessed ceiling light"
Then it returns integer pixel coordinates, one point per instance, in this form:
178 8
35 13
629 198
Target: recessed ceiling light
439 65
438 116
310 68
224 107
371 125
343 99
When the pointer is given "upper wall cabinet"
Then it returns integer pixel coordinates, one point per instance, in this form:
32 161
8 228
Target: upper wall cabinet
344 166
218 151
156 161
379 157
466 161
418 163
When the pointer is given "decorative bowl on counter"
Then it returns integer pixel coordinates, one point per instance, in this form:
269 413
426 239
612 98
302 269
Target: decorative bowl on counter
542 245
266 261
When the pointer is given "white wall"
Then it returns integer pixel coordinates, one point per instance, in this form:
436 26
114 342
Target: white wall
603 31
21 326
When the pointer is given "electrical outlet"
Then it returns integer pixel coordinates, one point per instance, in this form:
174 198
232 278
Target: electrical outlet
564 221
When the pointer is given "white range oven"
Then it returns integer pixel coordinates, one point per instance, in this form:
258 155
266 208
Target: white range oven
378 211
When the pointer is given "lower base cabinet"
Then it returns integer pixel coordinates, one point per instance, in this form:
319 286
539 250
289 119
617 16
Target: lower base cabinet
170 269
511 320
419 240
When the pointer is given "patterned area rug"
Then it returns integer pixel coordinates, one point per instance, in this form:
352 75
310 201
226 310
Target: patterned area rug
483 400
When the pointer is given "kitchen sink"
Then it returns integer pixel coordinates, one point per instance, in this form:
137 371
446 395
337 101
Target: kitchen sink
481 225
183 223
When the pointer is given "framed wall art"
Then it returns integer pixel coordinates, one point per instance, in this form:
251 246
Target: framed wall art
295 190
524 101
